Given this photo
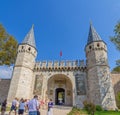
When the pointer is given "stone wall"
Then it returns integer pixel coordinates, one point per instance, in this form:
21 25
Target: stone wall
5 83
22 76
116 81
4 88
69 74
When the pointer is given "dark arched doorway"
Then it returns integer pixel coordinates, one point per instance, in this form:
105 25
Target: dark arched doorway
59 96
60 84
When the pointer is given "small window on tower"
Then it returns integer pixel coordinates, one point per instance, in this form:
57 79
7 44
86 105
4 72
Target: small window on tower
90 47
22 47
29 48
98 45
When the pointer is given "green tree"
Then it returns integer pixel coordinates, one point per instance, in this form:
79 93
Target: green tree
89 107
116 69
8 47
118 99
116 40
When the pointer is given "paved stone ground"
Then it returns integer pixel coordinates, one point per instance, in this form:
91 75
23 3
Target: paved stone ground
57 110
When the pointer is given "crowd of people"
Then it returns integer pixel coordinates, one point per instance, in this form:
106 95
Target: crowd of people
32 107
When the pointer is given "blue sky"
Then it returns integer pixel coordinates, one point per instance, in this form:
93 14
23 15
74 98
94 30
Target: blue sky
61 25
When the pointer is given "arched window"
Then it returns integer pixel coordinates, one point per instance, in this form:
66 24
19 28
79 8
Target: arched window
29 48
98 45
22 47
90 47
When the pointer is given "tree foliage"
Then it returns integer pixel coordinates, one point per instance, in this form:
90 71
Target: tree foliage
116 40
116 69
89 107
8 47
99 108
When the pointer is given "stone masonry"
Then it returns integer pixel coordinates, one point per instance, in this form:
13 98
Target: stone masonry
69 82
4 88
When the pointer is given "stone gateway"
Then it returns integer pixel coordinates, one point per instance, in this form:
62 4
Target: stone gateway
65 82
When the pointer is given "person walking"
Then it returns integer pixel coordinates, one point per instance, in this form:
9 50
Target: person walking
3 107
50 107
26 105
33 106
14 106
21 107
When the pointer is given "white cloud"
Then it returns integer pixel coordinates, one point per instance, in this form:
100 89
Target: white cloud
6 71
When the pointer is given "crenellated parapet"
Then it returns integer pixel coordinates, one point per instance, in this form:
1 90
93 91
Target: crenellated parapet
60 65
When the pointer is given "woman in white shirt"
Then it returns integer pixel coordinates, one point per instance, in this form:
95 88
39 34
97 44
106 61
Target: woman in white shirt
21 107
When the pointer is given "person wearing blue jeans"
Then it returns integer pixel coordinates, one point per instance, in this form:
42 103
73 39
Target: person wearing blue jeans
33 106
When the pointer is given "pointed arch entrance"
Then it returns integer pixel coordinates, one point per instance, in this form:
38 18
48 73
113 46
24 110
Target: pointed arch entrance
59 89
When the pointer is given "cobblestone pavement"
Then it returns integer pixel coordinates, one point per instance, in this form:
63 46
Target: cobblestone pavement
57 110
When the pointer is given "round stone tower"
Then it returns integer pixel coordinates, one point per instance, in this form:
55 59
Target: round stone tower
21 82
100 89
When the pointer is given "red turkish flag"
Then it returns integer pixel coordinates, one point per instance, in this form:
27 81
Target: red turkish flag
60 53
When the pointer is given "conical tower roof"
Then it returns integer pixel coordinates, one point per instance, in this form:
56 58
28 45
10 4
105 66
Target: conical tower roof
93 35
29 38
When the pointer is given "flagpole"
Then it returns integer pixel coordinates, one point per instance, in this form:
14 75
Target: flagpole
60 55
